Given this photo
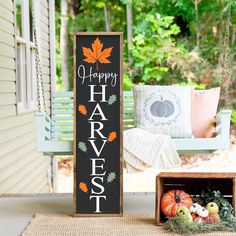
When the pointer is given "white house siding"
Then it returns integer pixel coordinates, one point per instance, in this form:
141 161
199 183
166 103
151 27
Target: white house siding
45 49
22 169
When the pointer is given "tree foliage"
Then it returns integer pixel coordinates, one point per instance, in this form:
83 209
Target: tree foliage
165 38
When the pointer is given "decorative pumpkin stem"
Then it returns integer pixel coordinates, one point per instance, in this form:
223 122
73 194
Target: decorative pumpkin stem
177 198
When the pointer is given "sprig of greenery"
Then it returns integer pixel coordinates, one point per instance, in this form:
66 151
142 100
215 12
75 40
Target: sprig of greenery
177 226
226 212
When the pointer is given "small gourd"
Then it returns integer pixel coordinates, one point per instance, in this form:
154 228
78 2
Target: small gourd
213 218
194 208
184 216
203 212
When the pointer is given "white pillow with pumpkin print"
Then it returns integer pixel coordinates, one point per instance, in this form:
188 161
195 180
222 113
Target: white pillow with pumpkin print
163 109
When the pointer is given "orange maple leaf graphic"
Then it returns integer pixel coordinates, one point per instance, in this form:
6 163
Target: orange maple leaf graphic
112 136
83 187
97 54
82 109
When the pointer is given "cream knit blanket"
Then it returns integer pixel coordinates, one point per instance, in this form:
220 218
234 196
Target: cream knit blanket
143 150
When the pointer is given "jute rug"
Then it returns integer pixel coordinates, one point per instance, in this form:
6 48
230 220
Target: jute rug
129 225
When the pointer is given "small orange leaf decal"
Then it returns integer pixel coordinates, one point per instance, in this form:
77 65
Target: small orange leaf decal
112 136
83 187
82 109
96 54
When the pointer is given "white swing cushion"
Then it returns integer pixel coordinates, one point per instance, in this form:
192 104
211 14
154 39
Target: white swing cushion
163 109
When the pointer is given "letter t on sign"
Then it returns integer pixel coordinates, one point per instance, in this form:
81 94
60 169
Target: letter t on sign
98 170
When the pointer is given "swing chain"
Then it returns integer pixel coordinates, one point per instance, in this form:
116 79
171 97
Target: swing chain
226 72
39 75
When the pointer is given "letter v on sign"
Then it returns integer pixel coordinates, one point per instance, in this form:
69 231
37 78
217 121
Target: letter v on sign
98 152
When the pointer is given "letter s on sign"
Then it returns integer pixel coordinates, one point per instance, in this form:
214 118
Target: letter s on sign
97 185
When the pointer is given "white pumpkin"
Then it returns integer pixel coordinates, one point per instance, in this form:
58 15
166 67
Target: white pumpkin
203 212
194 208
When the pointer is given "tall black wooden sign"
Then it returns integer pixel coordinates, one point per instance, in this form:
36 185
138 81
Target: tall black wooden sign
98 124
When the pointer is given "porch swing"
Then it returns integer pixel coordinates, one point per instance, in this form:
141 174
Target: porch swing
55 132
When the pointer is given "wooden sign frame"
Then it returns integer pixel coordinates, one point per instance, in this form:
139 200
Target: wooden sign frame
119 136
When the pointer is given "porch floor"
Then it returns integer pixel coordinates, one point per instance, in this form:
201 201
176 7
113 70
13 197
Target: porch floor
17 211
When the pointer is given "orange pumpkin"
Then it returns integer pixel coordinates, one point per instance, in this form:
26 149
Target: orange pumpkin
213 218
174 199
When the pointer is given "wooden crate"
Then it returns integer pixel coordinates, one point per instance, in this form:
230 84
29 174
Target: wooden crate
193 183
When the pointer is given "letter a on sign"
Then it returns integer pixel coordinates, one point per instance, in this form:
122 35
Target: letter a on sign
98 169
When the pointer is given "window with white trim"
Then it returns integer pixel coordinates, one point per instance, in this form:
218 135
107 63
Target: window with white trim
26 72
